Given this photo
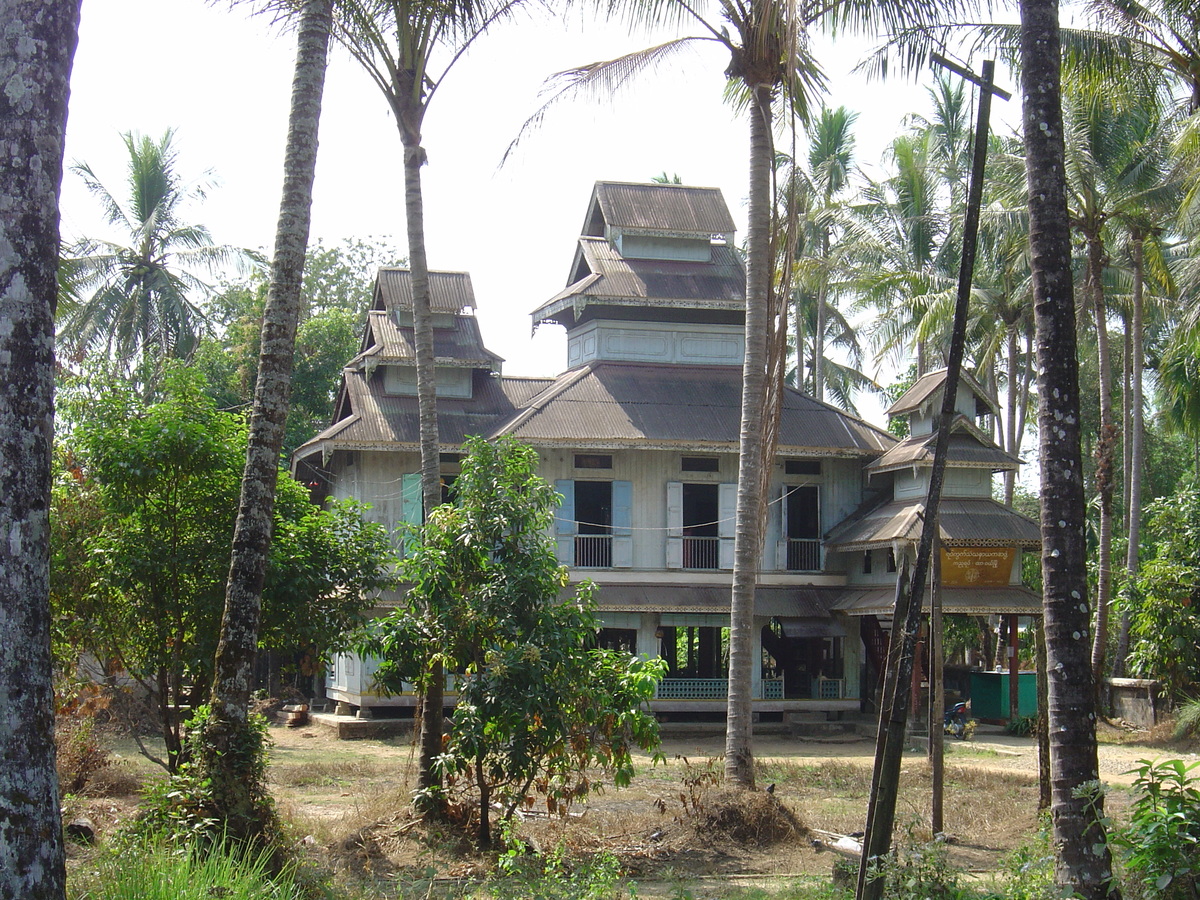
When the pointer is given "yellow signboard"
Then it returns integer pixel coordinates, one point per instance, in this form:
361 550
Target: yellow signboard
977 566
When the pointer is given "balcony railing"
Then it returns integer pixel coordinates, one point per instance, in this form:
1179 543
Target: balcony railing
711 689
803 555
593 551
701 552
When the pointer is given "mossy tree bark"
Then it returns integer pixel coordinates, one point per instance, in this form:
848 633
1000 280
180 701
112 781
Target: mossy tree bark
35 68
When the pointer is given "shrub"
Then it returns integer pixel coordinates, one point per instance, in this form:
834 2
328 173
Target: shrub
1030 870
918 870
1162 841
1187 720
81 753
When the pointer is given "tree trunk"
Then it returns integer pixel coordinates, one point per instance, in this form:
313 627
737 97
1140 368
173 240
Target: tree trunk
1134 439
819 337
799 332
1043 719
739 759
35 67
432 700
1076 811
235 790
1104 457
1011 443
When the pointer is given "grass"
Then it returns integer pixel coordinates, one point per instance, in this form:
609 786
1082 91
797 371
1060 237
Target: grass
156 873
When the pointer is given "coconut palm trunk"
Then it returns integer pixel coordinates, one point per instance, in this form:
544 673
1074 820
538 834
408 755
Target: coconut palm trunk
1010 417
1135 435
409 121
1076 810
739 760
235 788
35 67
1105 457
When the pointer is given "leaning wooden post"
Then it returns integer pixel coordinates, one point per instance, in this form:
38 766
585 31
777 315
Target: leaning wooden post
1014 670
881 808
937 696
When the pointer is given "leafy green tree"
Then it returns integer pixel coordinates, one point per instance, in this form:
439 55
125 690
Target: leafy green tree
140 300
538 706
1165 622
148 498
35 68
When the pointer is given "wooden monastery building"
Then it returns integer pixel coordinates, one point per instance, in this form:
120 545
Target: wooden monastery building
640 435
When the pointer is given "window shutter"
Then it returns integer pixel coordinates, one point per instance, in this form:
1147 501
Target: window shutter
410 498
781 547
726 522
564 522
622 524
674 525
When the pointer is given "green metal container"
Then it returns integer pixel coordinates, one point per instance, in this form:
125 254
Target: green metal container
989 695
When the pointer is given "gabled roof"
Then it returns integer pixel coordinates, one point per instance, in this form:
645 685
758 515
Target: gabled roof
370 419
969 448
458 346
658 208
962 522
604 277
607 404
449 292
923 389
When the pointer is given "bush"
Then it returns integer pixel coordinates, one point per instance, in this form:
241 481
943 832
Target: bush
1187 720
555 876
1030 870
918 870
1162 842
183 810
81 753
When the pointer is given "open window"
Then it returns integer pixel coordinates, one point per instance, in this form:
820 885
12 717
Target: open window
594 524
800 528
700 525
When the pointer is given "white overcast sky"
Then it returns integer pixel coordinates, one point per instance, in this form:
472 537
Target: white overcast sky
222 80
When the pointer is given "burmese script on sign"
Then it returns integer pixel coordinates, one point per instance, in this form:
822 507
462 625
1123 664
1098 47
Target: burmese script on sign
977 566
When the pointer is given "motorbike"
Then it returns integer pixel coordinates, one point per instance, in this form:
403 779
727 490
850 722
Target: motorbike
955 721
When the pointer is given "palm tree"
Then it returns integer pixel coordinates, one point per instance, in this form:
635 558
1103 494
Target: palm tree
234 775
830 158
139 298
905 266
1084 863
1116 168
397 42
36 61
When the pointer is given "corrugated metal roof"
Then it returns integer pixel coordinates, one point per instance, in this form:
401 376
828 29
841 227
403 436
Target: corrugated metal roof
461 345
664 207
383 421
717 284
1013 599
963 522
769 600
925 386
449 292
625 403
965 450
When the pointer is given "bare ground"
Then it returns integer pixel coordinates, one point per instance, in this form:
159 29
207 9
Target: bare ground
348 802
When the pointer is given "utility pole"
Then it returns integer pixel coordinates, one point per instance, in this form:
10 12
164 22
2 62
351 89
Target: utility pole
885 780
